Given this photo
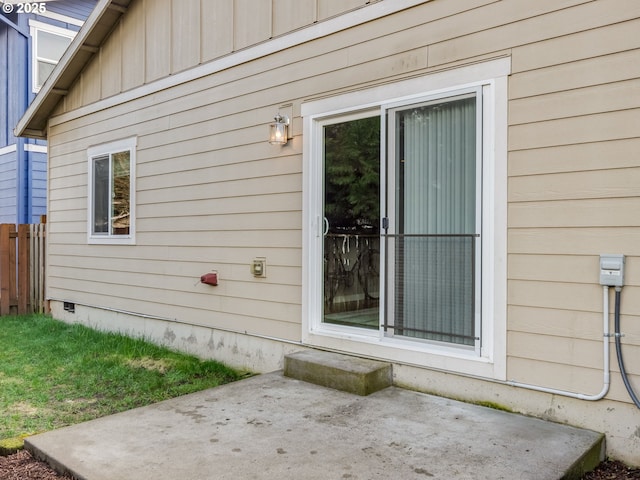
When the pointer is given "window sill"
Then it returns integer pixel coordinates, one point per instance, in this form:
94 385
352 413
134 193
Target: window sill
122 240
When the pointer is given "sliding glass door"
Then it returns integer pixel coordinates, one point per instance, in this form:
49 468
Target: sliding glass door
435 237
351 205
430 218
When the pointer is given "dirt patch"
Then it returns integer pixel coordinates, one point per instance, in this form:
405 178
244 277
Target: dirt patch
158 365
23 408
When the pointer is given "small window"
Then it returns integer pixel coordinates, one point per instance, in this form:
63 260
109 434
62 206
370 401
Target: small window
49 44
112 192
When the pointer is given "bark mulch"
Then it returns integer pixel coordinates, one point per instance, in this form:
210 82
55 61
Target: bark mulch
613 470
22 466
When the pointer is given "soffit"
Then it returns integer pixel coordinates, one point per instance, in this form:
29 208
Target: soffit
86 44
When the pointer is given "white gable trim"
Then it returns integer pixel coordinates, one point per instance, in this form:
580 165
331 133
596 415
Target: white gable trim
8 149
319 30
61 18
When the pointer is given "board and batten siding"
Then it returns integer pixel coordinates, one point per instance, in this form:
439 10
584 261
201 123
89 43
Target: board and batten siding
158 38
212 194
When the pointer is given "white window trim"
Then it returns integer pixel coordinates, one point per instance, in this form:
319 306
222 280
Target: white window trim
34 27
129 144
491 76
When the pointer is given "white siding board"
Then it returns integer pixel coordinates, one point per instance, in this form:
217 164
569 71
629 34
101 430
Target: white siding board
246 204
554 268
205 255
267 220
578 45
111 65
188 287
236 271
559 323
158 34
523 24
610 97
289 15
622 182
209 189
574 241
251 22
250 158
133 39
247 308
73 193
562 350
77 177
567 158
96 136
65 216
73 99
601 212
217 29
591 128
247 238
185 34
91 83
562 296
583 73
331 8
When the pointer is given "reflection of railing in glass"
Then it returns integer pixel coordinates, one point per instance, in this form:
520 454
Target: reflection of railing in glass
347 258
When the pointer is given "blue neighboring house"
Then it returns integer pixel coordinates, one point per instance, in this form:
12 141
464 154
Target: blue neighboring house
33 37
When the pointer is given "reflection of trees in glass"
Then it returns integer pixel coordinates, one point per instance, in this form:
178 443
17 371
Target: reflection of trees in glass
121 192
352 175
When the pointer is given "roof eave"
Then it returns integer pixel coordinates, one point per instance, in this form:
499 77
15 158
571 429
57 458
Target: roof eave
87 42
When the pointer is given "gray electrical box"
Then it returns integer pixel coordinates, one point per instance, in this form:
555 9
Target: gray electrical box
612 270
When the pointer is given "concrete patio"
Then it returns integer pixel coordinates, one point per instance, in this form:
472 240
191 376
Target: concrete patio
271 426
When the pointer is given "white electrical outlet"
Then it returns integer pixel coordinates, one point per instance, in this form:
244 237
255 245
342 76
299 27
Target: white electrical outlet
259 267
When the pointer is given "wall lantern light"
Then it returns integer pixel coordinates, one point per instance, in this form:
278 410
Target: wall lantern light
279 130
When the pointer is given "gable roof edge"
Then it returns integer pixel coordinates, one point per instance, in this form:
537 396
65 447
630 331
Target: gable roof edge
100 23
97 27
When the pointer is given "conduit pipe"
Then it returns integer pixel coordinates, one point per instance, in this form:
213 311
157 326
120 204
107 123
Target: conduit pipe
623 370
606 367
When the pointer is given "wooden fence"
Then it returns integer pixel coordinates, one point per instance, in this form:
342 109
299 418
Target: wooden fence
22 252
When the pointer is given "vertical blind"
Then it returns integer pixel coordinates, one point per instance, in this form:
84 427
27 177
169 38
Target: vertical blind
436 199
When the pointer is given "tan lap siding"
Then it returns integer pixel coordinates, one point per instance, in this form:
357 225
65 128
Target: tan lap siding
573 194
213 194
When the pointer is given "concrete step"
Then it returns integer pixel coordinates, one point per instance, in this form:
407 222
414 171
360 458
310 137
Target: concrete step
341 372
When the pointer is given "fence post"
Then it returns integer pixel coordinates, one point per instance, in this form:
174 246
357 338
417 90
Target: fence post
5 268
23 270
36 262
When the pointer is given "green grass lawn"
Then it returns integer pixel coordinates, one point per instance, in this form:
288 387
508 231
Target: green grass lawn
53 374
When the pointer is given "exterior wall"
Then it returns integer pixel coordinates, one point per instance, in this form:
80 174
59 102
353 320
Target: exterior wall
37 186
212 194
159 38
23 189
8 189
13 102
